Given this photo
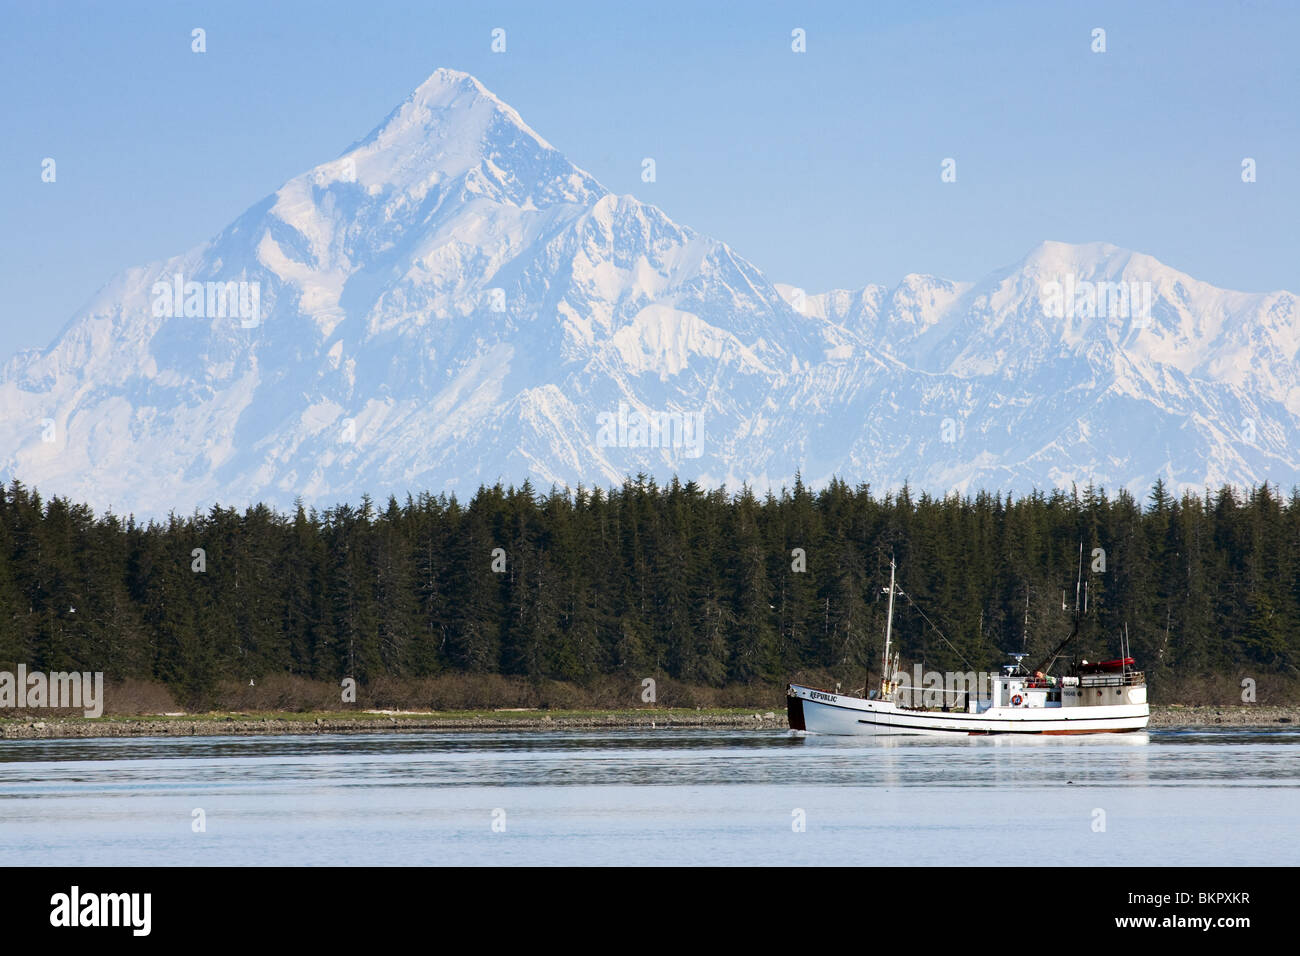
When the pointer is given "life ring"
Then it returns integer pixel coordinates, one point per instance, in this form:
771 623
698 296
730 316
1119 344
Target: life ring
1017 700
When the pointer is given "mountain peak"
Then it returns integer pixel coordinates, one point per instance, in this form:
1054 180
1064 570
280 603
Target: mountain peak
1052 255
444 78
448 89
450 125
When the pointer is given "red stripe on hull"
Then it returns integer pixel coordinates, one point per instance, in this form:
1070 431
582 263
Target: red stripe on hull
1110 730
1056 733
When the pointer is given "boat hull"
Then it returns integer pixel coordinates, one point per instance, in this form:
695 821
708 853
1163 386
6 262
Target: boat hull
820 712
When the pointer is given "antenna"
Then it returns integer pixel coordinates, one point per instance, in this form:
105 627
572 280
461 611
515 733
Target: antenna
1024 637
1123 651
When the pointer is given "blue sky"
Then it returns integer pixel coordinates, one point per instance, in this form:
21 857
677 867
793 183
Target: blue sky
822 167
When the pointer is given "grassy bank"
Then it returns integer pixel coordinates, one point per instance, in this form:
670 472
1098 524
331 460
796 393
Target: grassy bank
441 694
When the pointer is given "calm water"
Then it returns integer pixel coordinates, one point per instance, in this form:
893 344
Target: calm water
653 797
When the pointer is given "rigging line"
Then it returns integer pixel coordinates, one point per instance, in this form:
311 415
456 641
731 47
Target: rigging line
935 626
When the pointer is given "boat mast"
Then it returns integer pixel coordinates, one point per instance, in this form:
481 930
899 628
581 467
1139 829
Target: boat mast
889 629
1079 588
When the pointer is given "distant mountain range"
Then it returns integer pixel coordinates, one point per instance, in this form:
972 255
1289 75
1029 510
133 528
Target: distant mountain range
452 302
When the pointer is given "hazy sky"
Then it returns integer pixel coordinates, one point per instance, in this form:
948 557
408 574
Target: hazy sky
821 167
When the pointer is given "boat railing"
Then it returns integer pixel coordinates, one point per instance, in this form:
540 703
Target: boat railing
1126 679
914 698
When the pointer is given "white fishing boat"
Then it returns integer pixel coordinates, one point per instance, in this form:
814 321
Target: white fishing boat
1105 697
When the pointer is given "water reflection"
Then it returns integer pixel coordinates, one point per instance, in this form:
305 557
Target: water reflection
668 796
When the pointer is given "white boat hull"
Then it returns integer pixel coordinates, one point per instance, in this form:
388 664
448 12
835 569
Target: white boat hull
820 712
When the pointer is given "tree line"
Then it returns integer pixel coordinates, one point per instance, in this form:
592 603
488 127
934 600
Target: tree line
707 586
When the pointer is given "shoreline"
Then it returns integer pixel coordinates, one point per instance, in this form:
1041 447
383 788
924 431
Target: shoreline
364 722
1170 716
1258 716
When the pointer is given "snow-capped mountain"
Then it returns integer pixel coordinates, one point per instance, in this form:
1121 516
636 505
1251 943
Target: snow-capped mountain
452 302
